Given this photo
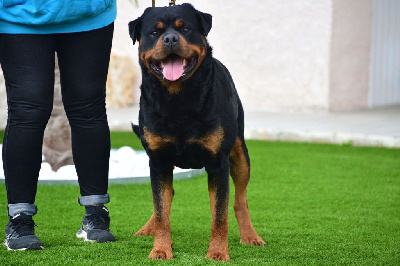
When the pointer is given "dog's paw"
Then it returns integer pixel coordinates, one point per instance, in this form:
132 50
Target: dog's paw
218 256
252 240
161 254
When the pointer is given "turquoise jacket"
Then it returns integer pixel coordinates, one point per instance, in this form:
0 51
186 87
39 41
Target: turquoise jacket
55 16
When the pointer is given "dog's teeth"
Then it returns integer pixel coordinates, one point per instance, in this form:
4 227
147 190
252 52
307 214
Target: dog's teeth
162 64
184 62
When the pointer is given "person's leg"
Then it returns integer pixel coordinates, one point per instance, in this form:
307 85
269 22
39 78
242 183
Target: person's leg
28 67
83 59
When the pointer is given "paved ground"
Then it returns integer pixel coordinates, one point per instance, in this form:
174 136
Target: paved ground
376 127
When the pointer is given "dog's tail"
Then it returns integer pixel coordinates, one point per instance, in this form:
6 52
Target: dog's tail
135 129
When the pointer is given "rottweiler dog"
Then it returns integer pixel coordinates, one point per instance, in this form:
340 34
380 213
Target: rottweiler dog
191 117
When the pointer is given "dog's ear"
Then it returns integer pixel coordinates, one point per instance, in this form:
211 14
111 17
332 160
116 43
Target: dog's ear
206 22
134 29
204 19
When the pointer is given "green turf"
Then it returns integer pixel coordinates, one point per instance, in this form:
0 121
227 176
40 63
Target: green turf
119 139
312 204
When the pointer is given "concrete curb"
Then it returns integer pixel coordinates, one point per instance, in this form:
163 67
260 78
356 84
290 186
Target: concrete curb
124 180
338 138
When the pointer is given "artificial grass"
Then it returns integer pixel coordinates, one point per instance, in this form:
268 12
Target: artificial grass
312 204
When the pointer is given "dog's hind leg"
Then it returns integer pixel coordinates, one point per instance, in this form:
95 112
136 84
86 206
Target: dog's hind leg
218 188
148 228
240 172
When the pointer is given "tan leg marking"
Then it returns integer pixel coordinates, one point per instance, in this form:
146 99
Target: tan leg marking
218 249
162 248
240 172
147 229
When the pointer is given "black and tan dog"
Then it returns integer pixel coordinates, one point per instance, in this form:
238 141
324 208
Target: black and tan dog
191 117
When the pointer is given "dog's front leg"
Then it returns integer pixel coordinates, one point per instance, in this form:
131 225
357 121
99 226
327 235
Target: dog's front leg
218 188
161 184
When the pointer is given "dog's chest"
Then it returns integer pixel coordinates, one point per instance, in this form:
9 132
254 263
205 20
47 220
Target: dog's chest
182 138
187 146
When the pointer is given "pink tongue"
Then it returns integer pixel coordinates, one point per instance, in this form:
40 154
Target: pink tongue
173 69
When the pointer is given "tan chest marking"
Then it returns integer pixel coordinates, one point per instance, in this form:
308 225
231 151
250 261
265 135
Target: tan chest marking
211 142
156 141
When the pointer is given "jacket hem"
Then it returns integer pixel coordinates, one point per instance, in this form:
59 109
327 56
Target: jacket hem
91 23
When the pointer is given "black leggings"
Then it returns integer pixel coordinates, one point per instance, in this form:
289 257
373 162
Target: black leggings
27 61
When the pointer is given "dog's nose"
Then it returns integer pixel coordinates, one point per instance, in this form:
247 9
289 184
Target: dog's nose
171 40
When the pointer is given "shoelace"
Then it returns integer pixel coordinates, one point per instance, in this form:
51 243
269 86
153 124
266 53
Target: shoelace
98 221
23 228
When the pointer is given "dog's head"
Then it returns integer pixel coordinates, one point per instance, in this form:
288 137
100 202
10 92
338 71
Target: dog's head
172 41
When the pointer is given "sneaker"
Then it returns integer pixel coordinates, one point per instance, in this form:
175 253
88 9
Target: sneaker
96 226
20 233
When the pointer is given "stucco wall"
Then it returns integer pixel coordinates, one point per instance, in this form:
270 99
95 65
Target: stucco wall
350 54
283 55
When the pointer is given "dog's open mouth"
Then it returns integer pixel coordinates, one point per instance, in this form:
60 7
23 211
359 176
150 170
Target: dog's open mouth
174 67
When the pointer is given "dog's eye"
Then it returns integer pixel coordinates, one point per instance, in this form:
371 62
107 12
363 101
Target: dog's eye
154 33
185 30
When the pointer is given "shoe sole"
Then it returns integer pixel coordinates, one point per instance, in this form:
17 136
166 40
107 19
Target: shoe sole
83 234
32 246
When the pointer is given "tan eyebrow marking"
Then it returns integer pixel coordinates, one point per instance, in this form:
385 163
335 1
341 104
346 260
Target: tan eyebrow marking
160 25
179 23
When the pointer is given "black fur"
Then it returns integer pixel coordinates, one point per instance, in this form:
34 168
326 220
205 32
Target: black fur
206 101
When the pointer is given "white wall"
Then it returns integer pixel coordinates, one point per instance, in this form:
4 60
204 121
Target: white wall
350 54
277 51
288 55
385 53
